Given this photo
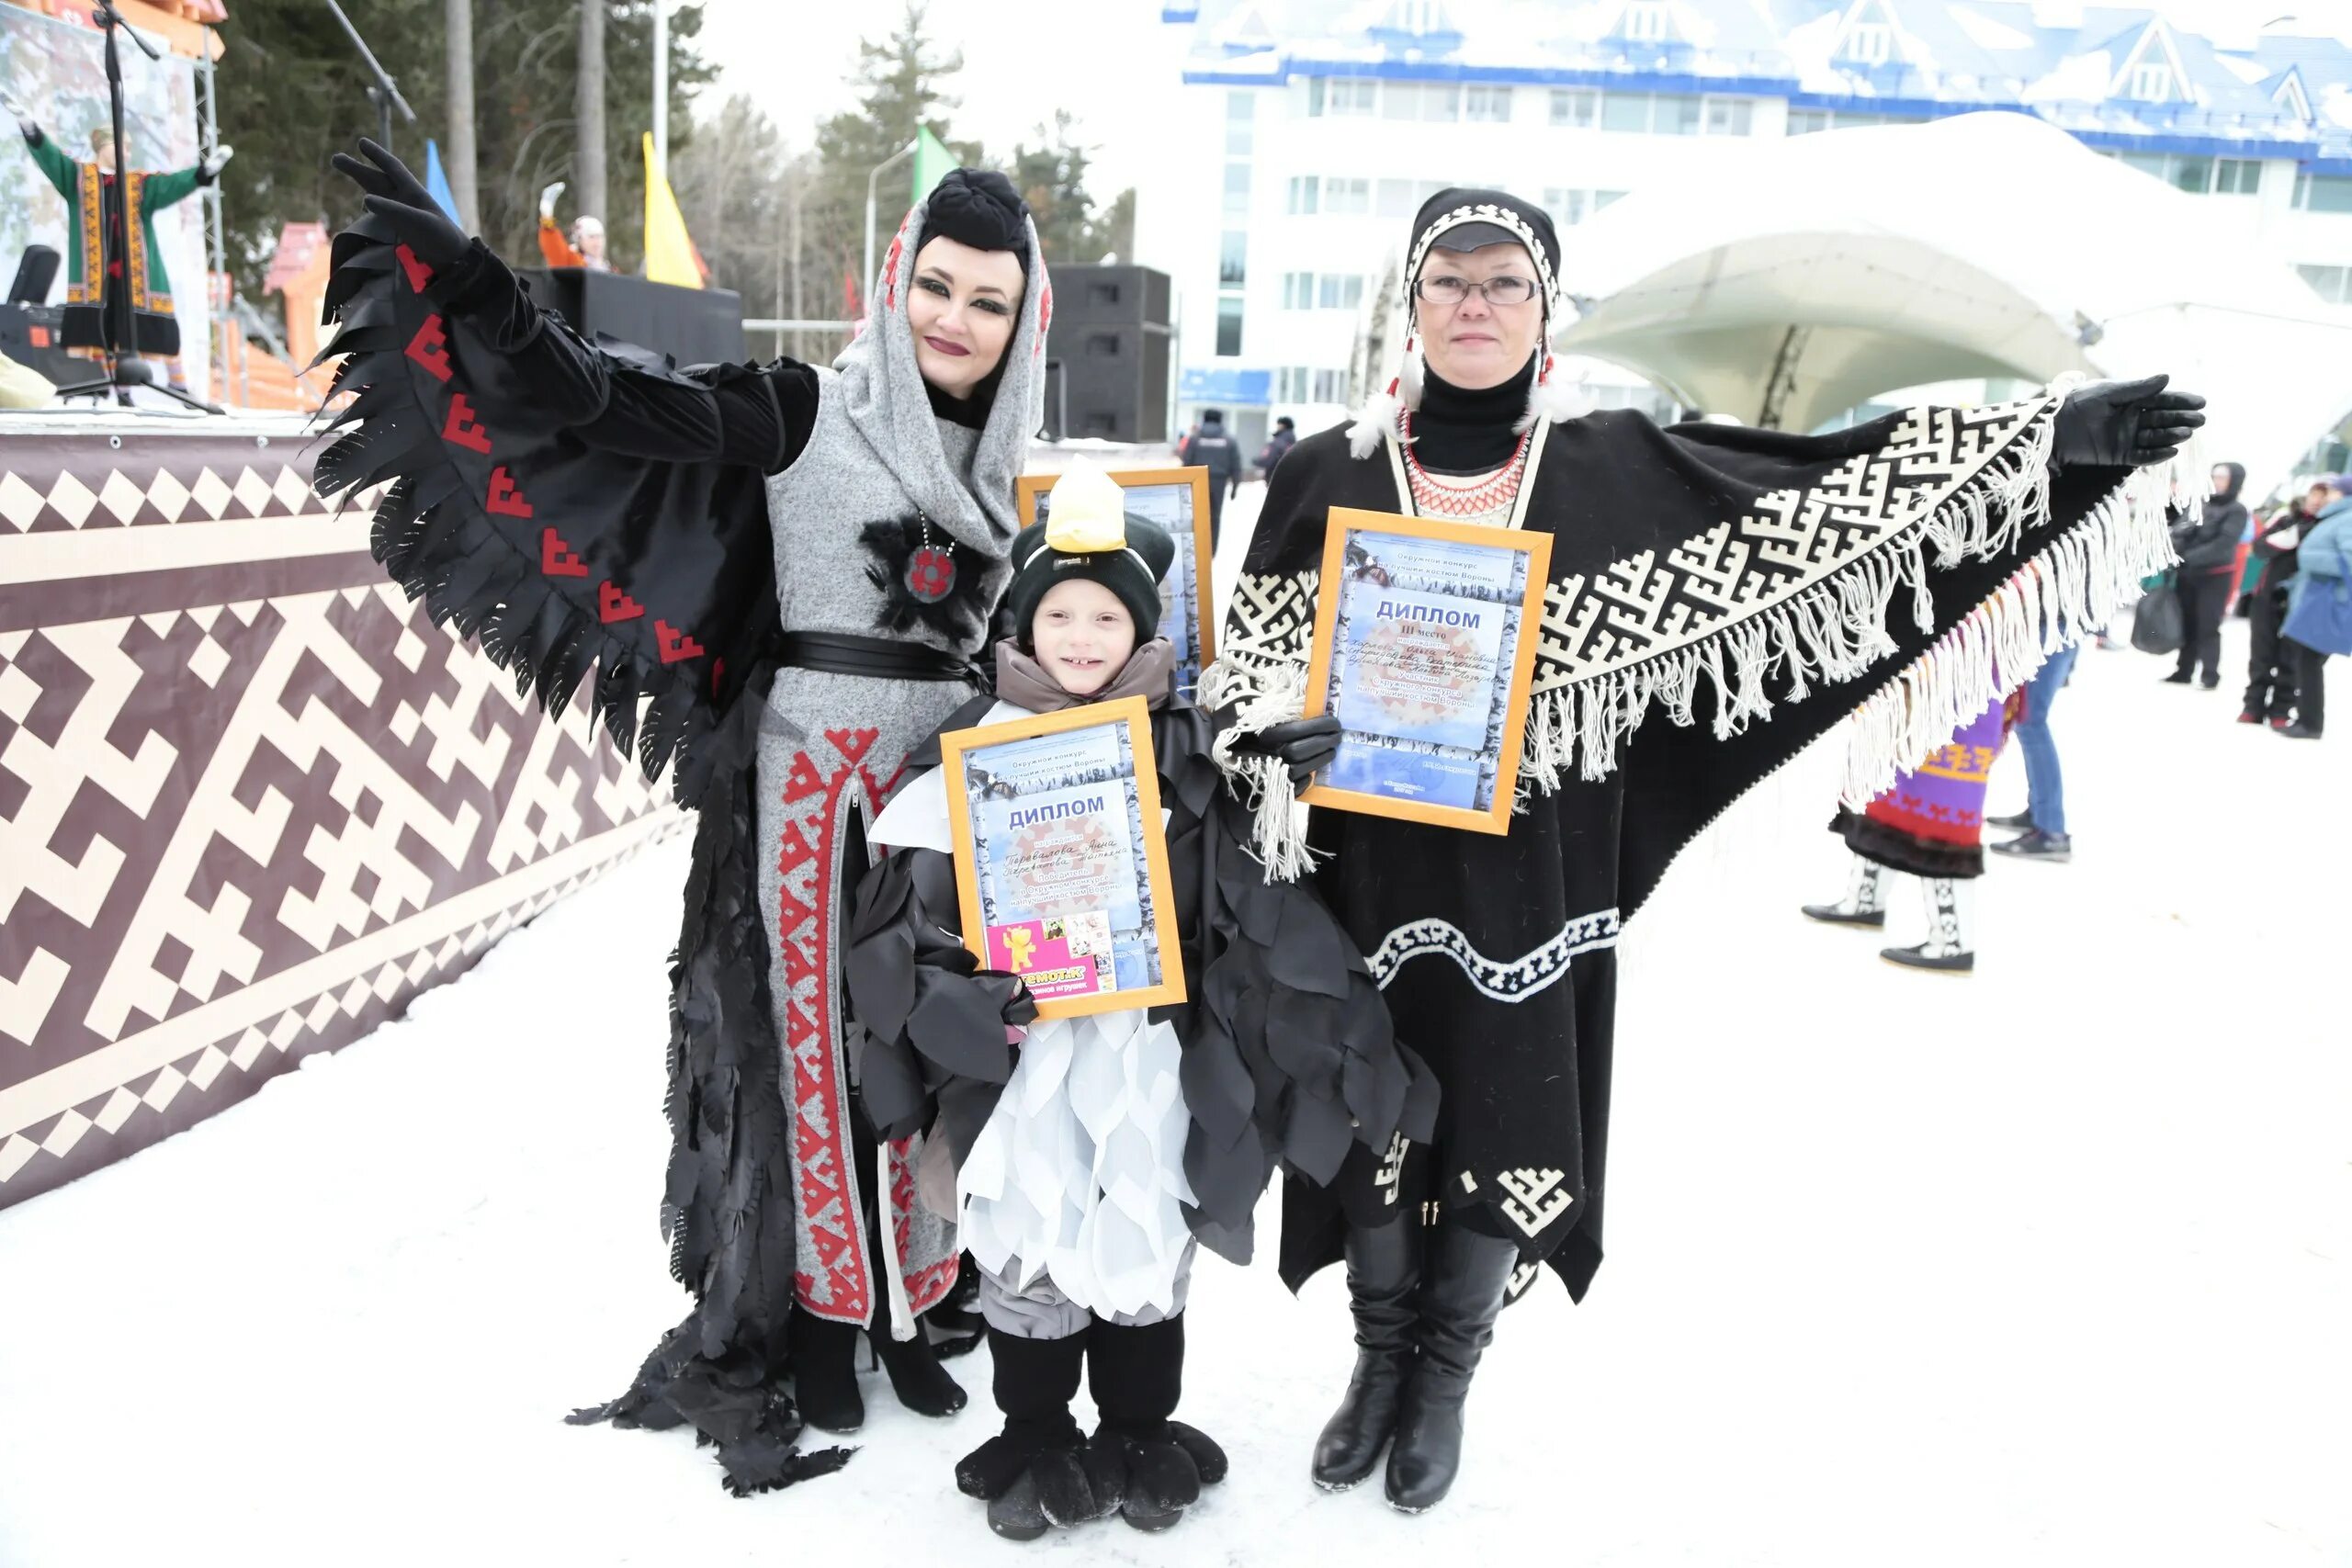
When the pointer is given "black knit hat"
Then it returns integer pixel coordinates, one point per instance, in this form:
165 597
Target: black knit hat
1087 533
977 208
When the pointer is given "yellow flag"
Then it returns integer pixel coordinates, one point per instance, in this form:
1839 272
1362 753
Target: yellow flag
669 253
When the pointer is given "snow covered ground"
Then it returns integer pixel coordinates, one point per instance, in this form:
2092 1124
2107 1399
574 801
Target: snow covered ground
2048 1266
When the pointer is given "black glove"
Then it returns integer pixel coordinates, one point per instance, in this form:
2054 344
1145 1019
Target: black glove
394 195
1303 745
1020 1007
2124 424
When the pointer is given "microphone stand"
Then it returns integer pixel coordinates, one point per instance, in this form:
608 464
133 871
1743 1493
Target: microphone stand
125 369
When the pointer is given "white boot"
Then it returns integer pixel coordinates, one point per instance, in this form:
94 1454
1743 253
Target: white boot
1950 948
1865 900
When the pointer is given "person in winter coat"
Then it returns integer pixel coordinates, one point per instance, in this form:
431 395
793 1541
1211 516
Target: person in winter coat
1091 1153
2207 548
2323 564
1284 437
1929 824
1212 449
2271 663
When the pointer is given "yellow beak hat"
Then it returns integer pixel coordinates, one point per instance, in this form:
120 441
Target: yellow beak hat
1087 531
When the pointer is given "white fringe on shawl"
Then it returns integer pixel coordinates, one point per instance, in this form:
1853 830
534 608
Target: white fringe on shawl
1836 631
1832 633
1265 692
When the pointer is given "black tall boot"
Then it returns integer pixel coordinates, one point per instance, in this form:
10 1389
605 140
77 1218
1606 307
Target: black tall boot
1136 1373
1462 1294
1033 1474
824 1372
1383 1273
922 1385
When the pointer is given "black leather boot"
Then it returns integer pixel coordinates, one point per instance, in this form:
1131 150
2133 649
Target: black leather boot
1136 1375
1384 1275
1032 1474
1462 1294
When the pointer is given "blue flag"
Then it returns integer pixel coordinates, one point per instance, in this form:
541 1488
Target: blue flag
436 184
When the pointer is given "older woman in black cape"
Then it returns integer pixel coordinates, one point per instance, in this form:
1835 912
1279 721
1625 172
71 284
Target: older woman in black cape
1715 574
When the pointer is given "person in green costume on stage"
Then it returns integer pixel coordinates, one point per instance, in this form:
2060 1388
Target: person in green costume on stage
89 193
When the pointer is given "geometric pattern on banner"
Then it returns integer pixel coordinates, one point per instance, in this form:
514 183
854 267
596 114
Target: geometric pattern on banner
241 830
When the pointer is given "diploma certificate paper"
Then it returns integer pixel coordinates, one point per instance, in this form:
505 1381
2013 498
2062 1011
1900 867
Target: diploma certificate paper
1060 858
1424 645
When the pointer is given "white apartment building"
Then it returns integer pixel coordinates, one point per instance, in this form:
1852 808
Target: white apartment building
1314 129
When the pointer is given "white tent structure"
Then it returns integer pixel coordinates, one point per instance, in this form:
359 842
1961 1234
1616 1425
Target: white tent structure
1800 277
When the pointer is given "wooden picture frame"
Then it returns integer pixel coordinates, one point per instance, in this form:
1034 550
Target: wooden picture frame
1347 522
1196 553
959 747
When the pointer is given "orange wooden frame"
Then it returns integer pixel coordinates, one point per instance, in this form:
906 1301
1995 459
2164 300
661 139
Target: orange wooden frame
1537 547
1135 714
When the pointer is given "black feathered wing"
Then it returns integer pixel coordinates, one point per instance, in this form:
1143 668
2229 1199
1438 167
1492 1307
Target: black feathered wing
559 556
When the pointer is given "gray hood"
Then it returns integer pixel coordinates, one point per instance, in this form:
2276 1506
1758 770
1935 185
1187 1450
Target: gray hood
885 397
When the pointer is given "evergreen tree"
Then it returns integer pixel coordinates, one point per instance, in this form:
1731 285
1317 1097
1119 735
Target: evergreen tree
1051 177
899 90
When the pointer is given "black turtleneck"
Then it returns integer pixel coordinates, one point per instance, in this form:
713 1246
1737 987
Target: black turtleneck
971 412
1462 431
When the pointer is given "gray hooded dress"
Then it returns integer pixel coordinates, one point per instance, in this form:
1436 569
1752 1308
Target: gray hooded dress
690 547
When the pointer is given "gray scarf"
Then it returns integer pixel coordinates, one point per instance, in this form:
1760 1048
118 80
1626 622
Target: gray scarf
1150 673
884 395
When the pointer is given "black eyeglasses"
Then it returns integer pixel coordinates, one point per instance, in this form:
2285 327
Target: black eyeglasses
1448 289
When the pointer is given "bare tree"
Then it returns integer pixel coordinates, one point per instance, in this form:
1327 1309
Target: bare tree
463 183
588 163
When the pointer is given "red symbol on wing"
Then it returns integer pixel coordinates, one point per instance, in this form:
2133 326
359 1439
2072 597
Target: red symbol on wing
612 604
555 557
506 498
675 644
463 428
419 274
430 347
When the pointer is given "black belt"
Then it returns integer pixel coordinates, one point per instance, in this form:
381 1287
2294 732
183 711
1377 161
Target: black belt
881 659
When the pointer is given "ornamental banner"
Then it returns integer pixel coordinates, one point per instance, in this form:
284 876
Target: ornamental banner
252 800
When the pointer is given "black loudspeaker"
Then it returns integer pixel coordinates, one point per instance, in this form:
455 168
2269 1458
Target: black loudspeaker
36 271
693 326
1107 374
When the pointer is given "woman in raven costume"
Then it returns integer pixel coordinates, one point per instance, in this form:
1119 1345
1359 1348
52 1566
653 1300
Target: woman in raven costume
795 565
1716 573
1089 1159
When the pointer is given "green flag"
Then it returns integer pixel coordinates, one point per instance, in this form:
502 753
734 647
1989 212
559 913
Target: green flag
932 160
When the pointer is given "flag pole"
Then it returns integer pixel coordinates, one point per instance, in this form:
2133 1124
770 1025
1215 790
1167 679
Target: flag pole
867 281
662 86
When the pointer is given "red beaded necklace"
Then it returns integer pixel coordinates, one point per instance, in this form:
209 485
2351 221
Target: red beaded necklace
1498 491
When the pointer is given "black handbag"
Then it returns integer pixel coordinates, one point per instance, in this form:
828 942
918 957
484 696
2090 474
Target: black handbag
2158 626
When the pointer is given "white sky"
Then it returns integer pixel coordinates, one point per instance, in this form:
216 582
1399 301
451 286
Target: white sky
1111 62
